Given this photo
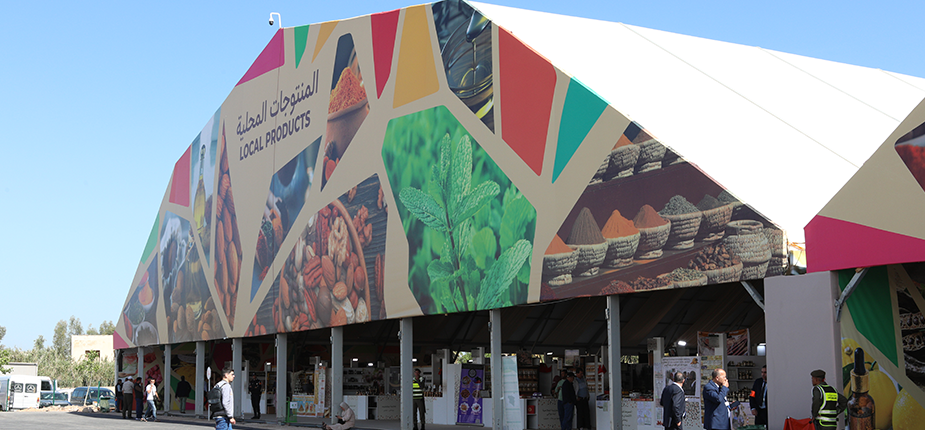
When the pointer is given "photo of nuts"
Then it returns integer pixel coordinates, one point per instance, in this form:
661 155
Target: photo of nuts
228 255
324 280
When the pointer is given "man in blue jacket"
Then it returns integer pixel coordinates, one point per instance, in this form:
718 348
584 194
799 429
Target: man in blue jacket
716 407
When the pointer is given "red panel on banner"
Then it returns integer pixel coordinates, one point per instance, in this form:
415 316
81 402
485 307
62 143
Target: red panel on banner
528 82
384 26
834 244
118 342
272 57
179 187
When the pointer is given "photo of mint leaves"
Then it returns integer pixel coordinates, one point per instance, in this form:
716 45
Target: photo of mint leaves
469 229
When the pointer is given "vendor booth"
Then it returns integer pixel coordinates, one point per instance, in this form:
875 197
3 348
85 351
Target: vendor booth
397 189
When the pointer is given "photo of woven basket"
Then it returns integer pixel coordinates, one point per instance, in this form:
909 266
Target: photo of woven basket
684 228
556 281
776 266
620 250
590 258
622 161
726 274
746 239
671 158
560 264
713 226
651 153
754 271
699 282
652 240
599 175
777 242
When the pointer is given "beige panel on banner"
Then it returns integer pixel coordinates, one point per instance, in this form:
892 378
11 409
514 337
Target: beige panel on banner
883 194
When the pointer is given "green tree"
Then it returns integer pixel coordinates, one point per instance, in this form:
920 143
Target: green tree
107 328
4 353
74 326
61 341
39 343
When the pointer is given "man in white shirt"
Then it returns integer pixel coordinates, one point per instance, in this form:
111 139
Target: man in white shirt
128 389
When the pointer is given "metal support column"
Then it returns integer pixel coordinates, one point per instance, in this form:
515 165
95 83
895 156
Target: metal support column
201 384
237 386
497 375
282 403
168 348
406 339
337 371
614 371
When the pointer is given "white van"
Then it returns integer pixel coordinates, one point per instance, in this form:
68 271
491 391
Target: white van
19 392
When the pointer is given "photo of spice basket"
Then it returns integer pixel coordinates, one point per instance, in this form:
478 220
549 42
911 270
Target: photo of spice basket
622 160
684 228
599 175
558 268
746 239
652 240
683 278
651 152
590 258
620 250
713 226
726 274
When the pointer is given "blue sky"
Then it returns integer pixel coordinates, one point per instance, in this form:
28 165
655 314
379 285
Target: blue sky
99 100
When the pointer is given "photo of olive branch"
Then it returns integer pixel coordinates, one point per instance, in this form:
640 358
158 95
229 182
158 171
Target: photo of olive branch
470 230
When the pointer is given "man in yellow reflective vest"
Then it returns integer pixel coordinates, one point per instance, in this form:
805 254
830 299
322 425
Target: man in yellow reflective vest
828 403
418 395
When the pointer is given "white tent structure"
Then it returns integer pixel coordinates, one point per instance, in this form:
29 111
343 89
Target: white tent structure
781 131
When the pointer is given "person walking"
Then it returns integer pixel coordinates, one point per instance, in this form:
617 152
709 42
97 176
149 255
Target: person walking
183 390
567 391
139 398
758 398
256 390
582 397
828 403
224 416
417 393
128 396
150 395
716 407
673 402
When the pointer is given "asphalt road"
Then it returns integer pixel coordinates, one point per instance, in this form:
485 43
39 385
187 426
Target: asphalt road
110 421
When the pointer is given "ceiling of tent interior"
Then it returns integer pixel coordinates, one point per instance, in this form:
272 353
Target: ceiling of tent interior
577 323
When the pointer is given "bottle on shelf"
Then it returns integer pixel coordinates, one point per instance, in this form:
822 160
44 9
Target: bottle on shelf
861 408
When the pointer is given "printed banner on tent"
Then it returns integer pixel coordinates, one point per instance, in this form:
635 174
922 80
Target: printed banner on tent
882 328
276 215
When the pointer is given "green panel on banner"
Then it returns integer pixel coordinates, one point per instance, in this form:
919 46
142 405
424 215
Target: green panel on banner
872 309
300 34
581 110
152 240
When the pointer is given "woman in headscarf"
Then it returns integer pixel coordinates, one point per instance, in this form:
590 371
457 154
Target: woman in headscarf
347 417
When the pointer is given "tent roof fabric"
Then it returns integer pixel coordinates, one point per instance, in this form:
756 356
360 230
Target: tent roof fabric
782 132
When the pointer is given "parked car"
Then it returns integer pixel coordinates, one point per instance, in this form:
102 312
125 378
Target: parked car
89 395
52 398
